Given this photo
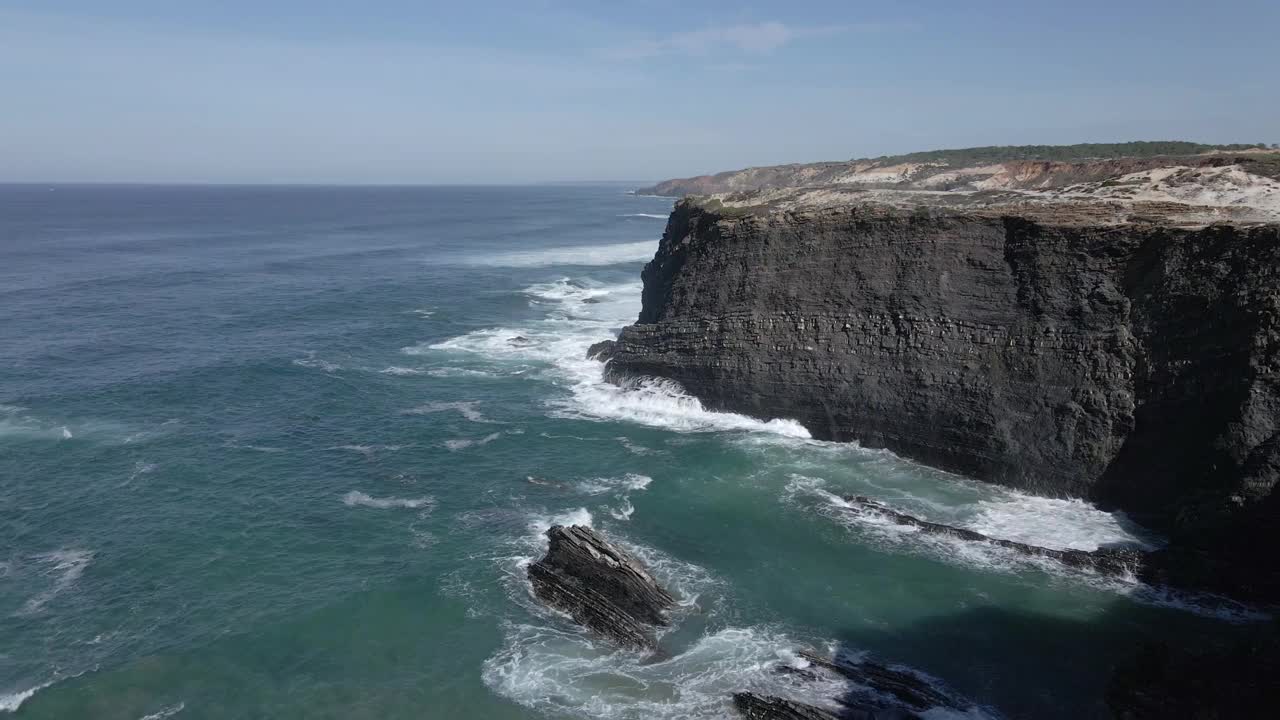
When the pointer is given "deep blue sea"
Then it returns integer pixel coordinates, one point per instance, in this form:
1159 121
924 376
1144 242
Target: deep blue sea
267 453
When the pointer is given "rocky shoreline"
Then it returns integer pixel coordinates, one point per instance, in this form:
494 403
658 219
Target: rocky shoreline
1121 346
1126 354
612 594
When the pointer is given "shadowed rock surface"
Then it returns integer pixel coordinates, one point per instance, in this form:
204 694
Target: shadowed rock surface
1108 561
1238 681
769 707
909 688
1125 352
600 586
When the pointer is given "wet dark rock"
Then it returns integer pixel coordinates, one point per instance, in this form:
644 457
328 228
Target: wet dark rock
600 586
769 707
1162 682
907 687
519 341
1109 561
602 350
1129 358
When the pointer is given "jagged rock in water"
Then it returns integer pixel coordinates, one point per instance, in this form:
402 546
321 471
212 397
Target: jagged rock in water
1110 561
909 688
601 350
600 586
769 707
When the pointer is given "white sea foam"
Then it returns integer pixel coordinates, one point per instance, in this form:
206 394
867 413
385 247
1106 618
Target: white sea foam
258 448
163 713
622 487
464 443
655 216
139 468
423 312
11 409
67 566
630 481
10 702
585 313
401 371
878 529
311 361
1053 523
615 254
466 409
444 372
564 673
66 433
367 450
624 510
356 498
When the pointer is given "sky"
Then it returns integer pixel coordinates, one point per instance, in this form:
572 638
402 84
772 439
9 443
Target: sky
417 91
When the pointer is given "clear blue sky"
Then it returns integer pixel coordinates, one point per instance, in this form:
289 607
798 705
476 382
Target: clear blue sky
409 91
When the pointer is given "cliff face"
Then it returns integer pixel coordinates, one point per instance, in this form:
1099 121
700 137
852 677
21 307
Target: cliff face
1132 363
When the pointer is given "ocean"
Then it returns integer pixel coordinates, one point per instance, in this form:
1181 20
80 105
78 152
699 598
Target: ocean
272 452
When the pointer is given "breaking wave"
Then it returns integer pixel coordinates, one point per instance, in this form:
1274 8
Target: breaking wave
877 530
584 313
586 255
356 498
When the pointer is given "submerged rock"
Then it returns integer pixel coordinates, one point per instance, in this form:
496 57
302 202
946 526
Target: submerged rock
770 707
1110 561
909 688
600 586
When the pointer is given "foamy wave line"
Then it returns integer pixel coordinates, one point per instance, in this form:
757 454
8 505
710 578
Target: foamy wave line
993 558
12 701
655 216
401 371
658 402
587 313
585 255
465 408
630 481
464 443
357 498
71 564
367 450
165 712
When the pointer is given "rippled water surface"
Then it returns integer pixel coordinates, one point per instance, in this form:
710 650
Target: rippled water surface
267 453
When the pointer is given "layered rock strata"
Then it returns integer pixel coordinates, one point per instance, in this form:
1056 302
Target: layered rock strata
600 586
1128 353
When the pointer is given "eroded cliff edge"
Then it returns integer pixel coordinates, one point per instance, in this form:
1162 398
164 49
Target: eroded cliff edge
1126 353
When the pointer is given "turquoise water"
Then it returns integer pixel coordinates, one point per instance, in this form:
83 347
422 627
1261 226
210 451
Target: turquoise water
266 453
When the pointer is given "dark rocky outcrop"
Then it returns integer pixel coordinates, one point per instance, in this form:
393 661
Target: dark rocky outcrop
1109 561
1238 681
600 586
1128 354
876 692
908 688
769 707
